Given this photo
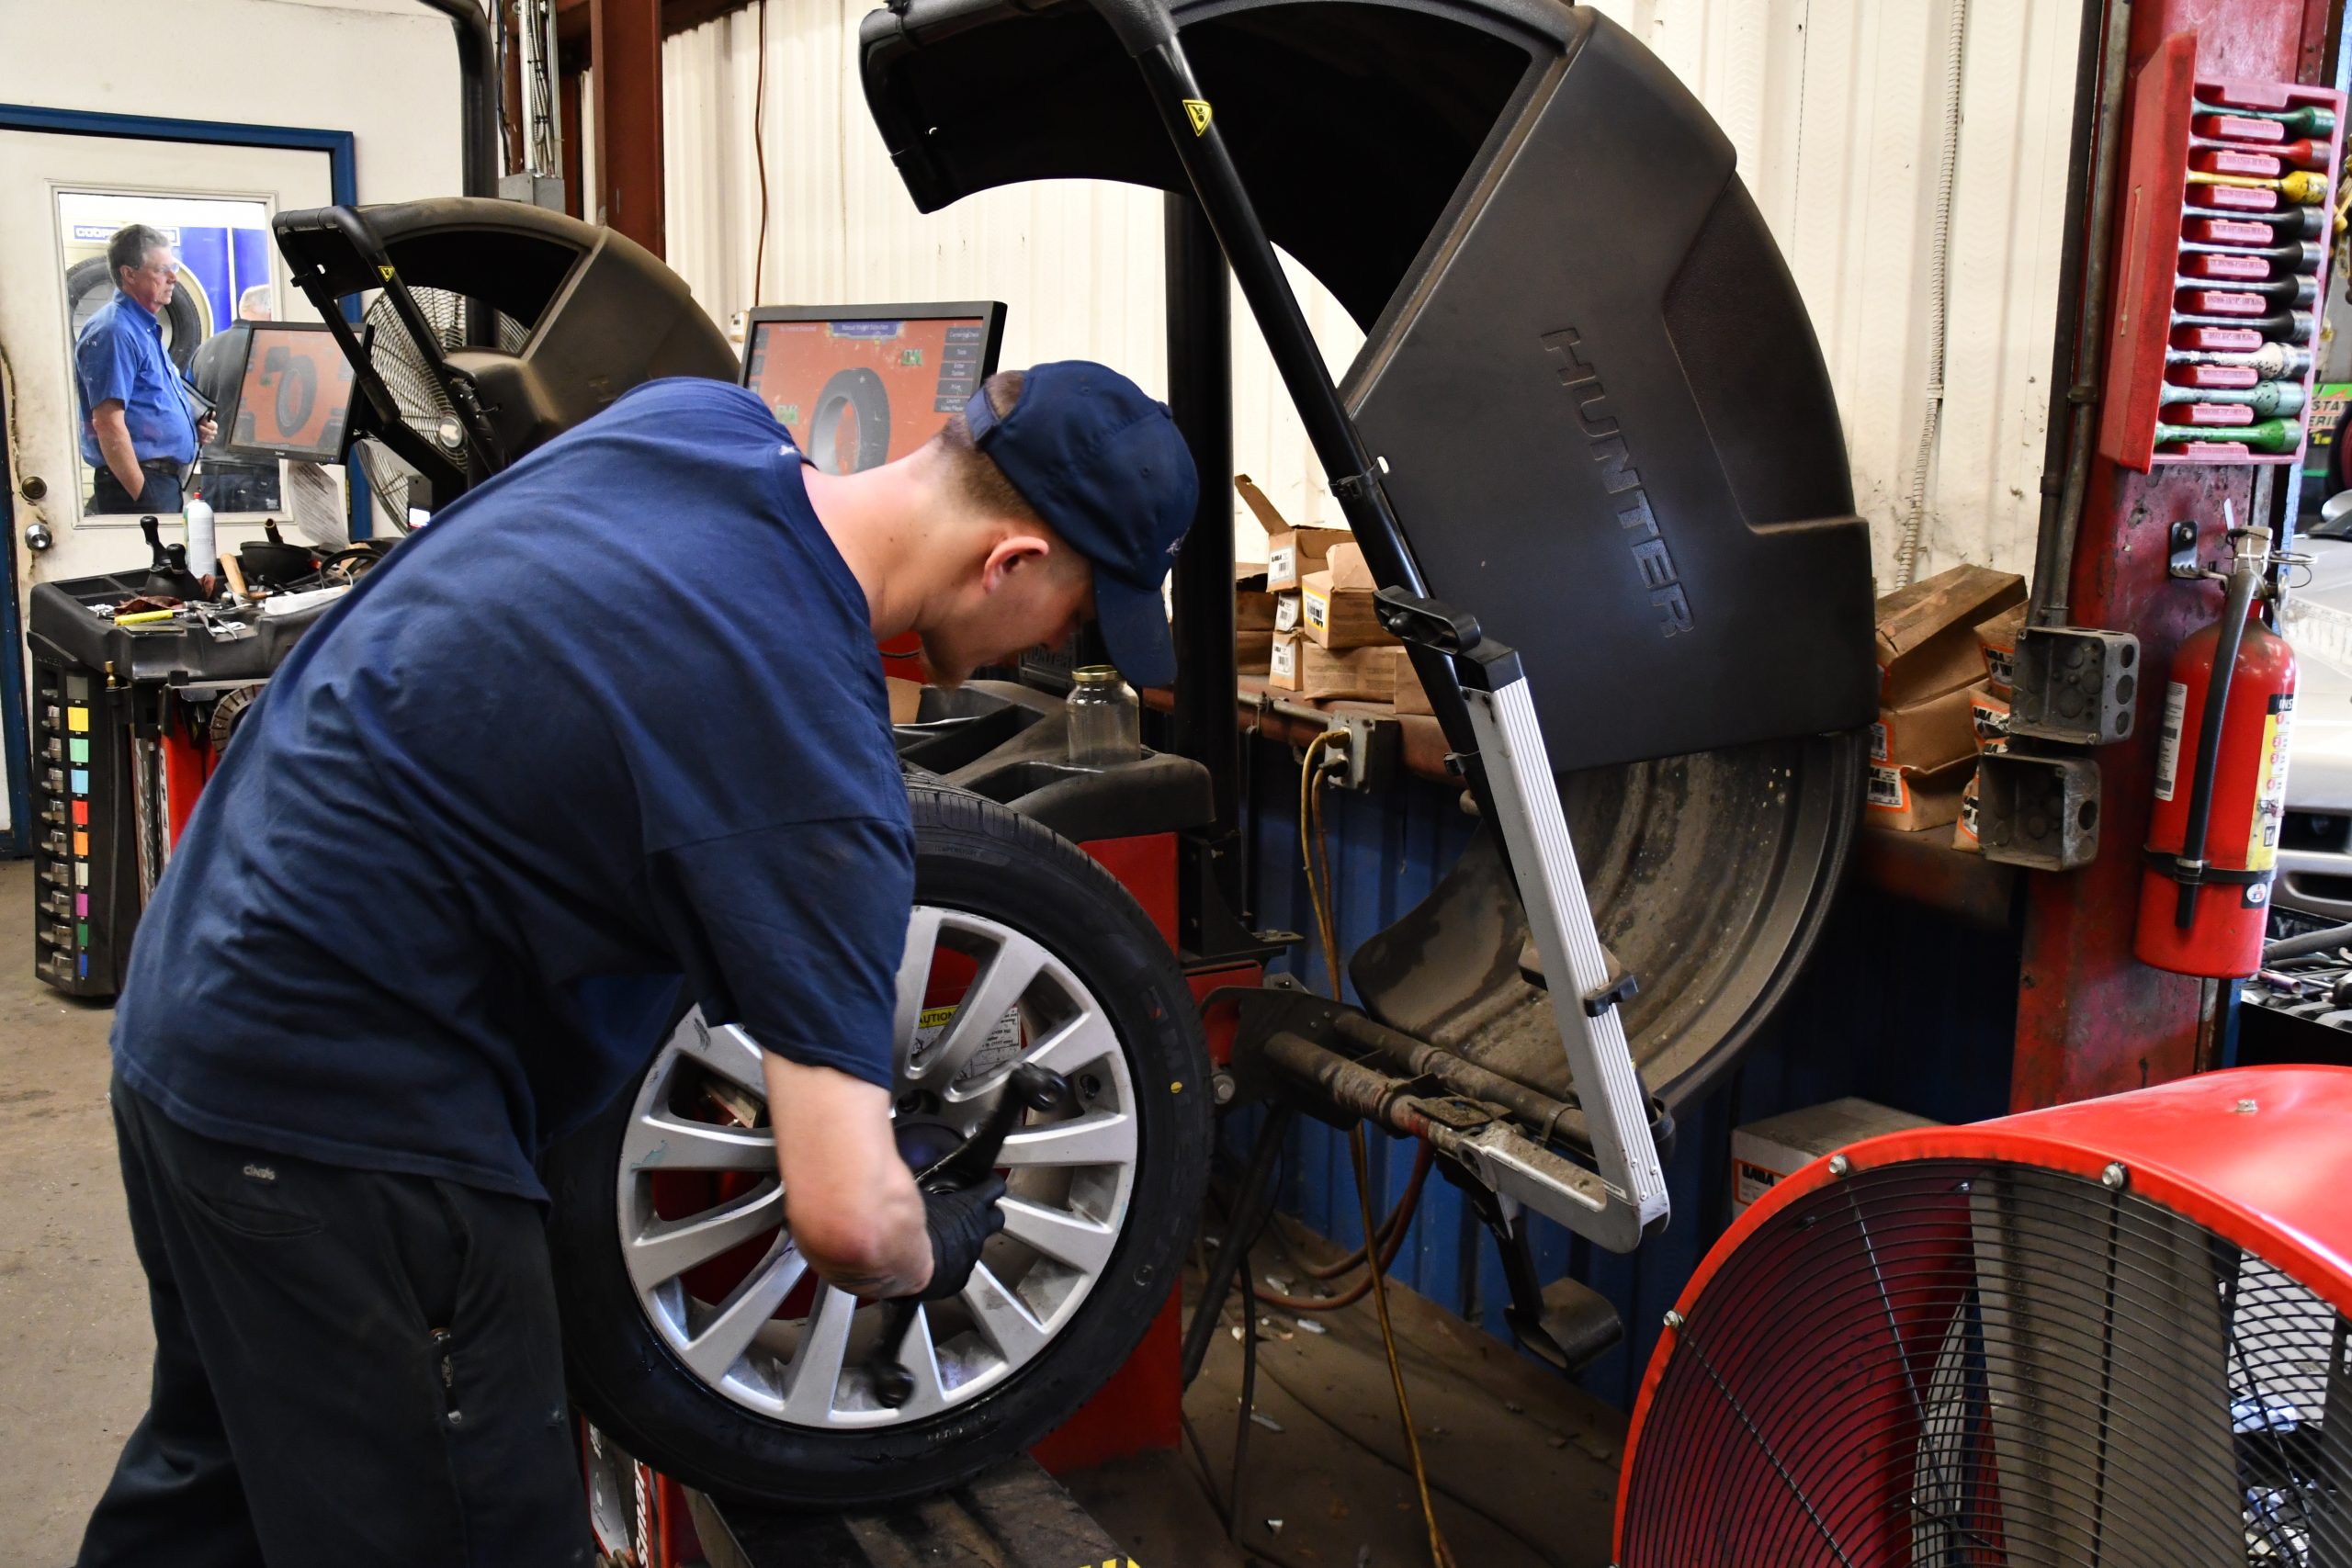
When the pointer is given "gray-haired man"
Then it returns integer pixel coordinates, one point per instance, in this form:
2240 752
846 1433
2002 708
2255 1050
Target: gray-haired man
137 430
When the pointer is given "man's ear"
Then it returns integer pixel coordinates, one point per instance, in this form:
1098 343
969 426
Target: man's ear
1012 553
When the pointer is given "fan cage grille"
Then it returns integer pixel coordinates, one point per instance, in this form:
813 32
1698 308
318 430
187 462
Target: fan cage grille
423 407
1949 1363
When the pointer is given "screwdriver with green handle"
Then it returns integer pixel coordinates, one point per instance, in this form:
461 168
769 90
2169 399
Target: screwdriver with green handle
2311 119
2268 435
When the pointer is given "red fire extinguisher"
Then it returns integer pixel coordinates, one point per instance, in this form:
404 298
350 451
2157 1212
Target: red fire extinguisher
2220 785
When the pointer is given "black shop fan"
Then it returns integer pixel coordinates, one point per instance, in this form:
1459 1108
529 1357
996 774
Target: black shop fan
490 327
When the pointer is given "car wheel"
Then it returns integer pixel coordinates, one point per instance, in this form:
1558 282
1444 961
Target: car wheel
696 1335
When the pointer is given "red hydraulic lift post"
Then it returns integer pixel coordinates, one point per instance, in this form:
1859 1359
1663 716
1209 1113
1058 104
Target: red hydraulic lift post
2091 1019
625 57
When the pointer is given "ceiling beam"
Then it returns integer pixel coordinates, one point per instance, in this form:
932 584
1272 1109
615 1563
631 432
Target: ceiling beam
677 16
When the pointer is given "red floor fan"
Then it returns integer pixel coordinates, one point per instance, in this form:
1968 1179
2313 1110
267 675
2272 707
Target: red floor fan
2111 1334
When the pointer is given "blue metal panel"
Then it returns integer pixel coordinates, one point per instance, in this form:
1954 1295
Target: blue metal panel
250 248
1901 1004
205 253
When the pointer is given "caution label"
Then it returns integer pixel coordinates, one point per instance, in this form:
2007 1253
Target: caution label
2168 745
2271 795
1198 112
1000 1049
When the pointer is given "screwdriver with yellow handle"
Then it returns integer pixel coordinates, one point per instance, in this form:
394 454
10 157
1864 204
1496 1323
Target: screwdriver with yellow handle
2302 185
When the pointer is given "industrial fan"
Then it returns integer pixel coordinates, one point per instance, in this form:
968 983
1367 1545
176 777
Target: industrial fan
416 394
2111 1334
491 327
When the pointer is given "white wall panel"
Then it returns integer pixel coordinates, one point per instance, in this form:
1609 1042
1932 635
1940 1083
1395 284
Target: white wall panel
1834 107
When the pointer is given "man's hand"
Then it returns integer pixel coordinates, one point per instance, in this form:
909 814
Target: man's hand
960 1224
113 432
849 1200
206 429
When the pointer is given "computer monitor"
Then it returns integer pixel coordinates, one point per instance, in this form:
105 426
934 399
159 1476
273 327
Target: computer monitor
863 385
292 398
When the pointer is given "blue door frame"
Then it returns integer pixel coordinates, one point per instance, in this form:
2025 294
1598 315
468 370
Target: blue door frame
343 182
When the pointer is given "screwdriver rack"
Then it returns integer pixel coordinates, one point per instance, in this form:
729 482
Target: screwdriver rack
2220 266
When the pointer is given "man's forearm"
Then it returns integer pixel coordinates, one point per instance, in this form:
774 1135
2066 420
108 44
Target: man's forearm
114 445
849 1200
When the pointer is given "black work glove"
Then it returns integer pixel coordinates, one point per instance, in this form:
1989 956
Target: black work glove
960 1223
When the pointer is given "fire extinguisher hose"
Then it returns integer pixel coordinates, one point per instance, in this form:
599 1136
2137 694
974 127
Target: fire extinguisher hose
2245 580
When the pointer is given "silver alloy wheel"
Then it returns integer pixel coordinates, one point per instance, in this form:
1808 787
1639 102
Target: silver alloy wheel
1070 1175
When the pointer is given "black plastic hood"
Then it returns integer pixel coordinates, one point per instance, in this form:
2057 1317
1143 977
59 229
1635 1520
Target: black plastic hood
1607 428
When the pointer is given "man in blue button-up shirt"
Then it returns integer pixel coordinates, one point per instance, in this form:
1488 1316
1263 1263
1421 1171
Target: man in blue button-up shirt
137 431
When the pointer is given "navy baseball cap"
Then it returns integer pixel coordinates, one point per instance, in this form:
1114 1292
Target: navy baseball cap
1104 465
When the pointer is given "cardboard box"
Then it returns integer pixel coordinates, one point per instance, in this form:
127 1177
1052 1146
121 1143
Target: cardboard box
1338 617
1291 553
1926 633
1996 642
1964 827
1766 1153
1988 716
1285 613
1921 737
1301 665
1253 603
906 698
1411 696
1906 802
1252 652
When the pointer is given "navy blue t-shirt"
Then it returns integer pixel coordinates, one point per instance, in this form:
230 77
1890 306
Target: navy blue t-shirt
614 718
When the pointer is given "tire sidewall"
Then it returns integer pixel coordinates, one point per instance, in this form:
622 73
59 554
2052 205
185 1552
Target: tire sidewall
974 856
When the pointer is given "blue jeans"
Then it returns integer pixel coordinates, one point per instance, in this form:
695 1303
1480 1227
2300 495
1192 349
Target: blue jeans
161 497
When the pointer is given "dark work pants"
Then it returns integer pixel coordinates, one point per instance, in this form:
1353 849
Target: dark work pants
161 497
353 1368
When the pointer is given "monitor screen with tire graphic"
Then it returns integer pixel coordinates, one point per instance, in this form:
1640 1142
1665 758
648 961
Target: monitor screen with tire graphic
857 390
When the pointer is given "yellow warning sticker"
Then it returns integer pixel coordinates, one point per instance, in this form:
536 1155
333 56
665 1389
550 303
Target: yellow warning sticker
387 273
2270 791
1197 110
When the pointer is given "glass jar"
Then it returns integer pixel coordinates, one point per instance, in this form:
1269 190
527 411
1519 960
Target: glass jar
1103 728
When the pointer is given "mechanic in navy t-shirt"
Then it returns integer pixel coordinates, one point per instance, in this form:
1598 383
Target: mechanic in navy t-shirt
614 718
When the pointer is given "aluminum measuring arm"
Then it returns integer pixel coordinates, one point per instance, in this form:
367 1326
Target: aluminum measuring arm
1475 685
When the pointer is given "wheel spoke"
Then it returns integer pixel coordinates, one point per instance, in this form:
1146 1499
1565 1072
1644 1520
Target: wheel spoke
1106 1137
667 1248
726 1050
1007 1324
1066 1237
1084 1039
914 980
999 987
922 1357
661 1141
817 1365
714 1351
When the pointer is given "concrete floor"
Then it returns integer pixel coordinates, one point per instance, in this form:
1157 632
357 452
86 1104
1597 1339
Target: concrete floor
1523 1464
74 1343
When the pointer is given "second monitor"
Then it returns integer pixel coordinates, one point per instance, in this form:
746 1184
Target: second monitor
863 385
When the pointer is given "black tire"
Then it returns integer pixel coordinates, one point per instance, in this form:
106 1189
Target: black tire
90 283
973 855
857 394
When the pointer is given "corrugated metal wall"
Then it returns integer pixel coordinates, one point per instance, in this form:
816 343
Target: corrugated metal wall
1836 107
